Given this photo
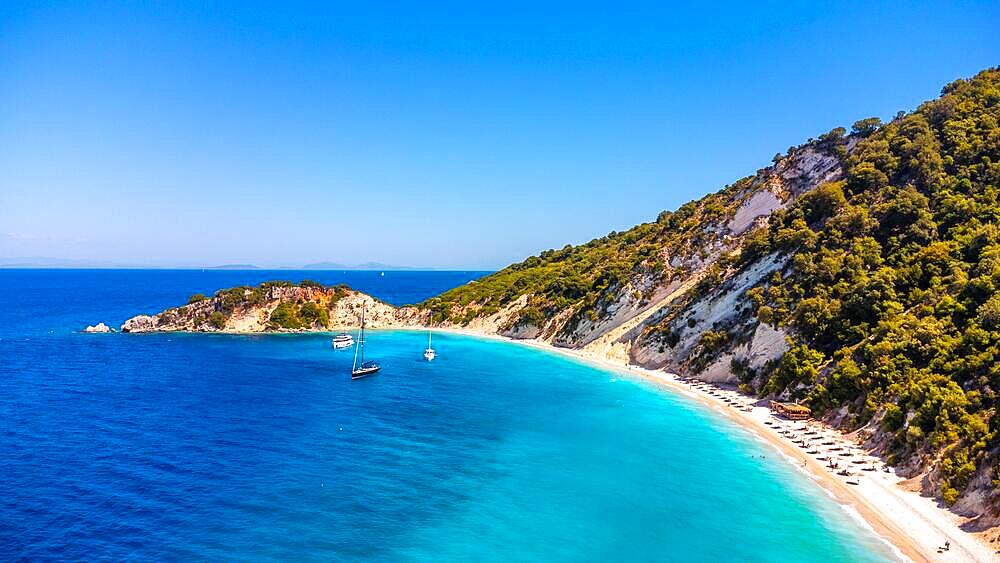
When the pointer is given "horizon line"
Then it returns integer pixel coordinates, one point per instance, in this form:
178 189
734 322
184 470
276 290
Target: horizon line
256 269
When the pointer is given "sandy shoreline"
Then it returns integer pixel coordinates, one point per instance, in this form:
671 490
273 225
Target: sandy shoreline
914 525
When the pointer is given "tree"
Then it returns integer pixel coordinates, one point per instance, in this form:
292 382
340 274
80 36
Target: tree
833 137
823 202
800 364
867 126
312 314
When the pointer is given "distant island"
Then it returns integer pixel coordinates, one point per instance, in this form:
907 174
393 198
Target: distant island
55 263
28 262
234 267
368 266
365 266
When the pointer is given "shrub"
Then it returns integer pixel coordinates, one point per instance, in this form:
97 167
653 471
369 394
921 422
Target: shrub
217 319
531 315
312 314
893 419
713 341
286 315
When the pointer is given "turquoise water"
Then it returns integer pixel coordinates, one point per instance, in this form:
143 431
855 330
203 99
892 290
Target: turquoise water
180 447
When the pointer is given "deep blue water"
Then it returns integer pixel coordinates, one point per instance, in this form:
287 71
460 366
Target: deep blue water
39 301
181 447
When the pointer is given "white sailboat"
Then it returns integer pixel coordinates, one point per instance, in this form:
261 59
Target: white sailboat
366 368
429 353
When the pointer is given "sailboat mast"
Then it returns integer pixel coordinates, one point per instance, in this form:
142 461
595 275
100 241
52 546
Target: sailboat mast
361 336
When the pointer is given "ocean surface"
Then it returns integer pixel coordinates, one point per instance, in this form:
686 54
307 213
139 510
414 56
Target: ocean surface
208 447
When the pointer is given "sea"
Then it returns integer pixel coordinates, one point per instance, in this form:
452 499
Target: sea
193 447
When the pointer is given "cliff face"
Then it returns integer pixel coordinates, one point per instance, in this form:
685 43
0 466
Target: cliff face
277 307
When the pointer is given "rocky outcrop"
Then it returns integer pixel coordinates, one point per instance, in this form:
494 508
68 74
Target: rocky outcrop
99 327
277 308
141 323
675 342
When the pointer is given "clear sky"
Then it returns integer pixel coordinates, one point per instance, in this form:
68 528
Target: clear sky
451 135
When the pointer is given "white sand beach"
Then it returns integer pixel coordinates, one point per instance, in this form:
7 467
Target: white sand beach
913 524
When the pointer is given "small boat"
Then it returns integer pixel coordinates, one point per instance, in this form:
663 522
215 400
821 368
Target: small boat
365 368
342 340
429 353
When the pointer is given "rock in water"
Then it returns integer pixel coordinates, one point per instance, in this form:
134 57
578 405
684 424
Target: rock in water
140 323
99 327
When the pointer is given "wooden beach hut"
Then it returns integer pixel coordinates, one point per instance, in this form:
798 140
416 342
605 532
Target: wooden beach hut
791 411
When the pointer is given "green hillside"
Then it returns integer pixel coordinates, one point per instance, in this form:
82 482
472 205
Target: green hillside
890 294
893 289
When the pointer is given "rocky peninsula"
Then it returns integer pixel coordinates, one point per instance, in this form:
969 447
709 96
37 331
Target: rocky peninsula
278 306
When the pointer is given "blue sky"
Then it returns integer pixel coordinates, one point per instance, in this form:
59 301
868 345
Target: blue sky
187 134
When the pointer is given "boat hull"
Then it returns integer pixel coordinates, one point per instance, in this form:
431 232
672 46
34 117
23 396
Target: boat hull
342 341
364 372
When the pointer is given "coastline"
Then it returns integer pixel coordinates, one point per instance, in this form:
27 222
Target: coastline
914 525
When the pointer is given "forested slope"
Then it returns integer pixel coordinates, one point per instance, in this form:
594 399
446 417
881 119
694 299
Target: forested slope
859 274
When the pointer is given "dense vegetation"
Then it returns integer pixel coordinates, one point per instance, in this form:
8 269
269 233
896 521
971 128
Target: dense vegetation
893 285
295 316
289 315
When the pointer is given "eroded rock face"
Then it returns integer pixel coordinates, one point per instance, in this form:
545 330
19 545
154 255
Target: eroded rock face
253 311
761 204
140 323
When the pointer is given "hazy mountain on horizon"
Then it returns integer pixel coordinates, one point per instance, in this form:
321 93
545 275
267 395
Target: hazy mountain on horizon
363 266
233 267
49 262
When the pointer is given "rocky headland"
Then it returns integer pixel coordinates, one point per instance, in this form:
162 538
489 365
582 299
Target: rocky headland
277 307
